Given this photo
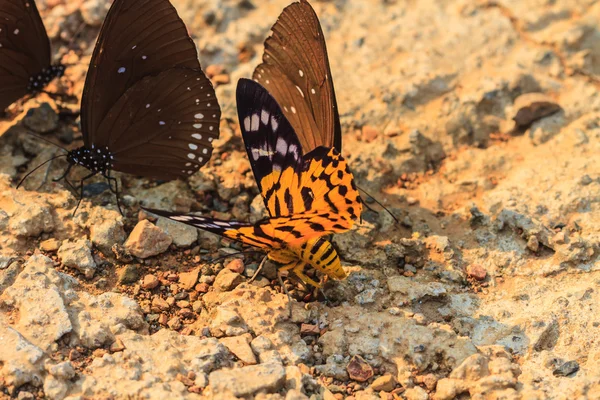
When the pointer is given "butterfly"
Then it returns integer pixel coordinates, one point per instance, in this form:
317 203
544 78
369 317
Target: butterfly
307 195
295 70
25 57
147 108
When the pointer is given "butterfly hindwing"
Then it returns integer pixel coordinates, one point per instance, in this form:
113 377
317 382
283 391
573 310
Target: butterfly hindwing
296 71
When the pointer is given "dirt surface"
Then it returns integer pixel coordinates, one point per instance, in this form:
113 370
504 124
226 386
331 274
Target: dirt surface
476 123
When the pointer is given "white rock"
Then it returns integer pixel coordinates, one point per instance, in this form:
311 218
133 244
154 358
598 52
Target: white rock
183 235
249 380
78 254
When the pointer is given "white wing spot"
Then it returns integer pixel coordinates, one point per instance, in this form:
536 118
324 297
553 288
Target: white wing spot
193 146
161 122
133 47
121 70
264 117
293 109
205 151
197 126
274 124
16 32
254 126
197 136
313 91
247 124
148 105
188 164
301 73
191 156
210 128
281 146
207 104
300 90
144 57
199 116
267 82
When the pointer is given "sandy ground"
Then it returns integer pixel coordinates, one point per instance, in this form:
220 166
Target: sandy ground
488 288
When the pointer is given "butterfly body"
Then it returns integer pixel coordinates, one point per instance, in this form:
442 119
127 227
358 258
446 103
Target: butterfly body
308 196
38 82
97 160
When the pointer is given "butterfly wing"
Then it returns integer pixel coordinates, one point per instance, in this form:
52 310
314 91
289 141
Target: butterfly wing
146 100
295 70
139 38
173 119
24 48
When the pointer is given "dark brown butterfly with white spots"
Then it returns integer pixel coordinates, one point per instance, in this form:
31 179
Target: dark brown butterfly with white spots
295 70
25 57
147 107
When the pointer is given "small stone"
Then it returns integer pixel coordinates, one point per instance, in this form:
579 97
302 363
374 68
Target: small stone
566 369
187 280
411 201
227 280
197 306
239 346
246 381
586 180
128 274
476 272
117 346
175 323
183 235
50 245
32 220
163 319
359 369
560 238
42 119
185 380
387 383
533 244
202 287
533 106
369 133
308 329
147 240
416 393
236 265
159 304
430 381
150 282
106 234
78 255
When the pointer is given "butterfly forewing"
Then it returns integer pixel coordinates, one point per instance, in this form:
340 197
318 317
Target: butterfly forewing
139 38
295 70
24 48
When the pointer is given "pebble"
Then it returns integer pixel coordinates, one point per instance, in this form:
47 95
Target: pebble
175 323
78 254
236 265
239 346
42 119
187 280
533 244
150 282
159 304
359 369
202 287
147 240
476 272
246 381
106 234
416 393
566 369
183 235
128 274
309 329
533 106
227 280
387 383
50 245
369 133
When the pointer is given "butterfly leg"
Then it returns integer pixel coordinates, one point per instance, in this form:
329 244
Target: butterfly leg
63 176
116 191
285 291
262 263
299 271
81 190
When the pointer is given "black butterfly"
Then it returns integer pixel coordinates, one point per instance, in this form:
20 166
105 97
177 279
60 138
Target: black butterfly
25 57
147 107
295 70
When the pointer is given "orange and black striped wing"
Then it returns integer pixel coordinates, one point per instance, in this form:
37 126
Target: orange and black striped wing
295 70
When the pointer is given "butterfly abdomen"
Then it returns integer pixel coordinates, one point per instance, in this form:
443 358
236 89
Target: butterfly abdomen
322 256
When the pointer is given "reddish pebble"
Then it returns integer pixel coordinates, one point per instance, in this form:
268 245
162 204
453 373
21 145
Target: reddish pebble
476 272
202 287
369 133
150 282
236 265
359 369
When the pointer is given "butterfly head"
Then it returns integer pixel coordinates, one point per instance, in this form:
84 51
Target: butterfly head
39 81
96 159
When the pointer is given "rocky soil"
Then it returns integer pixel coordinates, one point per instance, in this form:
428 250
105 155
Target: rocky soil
477 124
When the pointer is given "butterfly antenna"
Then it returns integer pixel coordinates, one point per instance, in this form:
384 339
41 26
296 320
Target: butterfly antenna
38 167
47 141
378 202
